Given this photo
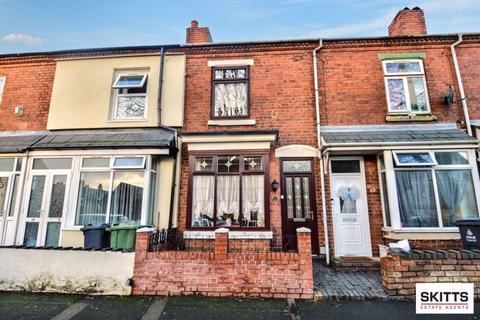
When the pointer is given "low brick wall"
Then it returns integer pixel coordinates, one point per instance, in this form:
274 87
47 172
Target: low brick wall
222 272
401 271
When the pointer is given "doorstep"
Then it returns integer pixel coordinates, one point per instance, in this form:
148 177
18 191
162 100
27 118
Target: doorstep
356 264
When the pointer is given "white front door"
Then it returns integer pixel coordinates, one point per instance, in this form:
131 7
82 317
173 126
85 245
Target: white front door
349 205
47 192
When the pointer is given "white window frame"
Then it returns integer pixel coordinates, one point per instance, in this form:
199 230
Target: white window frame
389 170
124 74
142 166
116 95
403 76
2 86
426 164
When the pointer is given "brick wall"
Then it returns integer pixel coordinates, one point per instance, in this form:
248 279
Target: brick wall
400 272
408 22
29 84
223 273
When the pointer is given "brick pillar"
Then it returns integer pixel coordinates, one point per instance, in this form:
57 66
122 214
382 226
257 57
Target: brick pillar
304 243
221 243
142 240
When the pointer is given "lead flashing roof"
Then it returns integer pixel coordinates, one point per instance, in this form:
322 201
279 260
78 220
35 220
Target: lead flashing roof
88 139
396 137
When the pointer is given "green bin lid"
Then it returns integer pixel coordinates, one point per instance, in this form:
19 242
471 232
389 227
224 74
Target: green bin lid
125 227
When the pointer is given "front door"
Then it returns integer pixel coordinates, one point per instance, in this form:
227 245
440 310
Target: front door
298 201
45 208
350 211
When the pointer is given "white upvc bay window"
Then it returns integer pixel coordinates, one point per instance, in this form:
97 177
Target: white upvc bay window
428 190
406 87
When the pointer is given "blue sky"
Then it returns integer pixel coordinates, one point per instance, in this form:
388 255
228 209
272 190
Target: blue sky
38 25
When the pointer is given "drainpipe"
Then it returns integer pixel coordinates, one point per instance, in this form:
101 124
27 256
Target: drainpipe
460 83
160 86
319 139
174 183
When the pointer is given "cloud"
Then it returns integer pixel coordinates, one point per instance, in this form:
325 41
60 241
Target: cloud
22 38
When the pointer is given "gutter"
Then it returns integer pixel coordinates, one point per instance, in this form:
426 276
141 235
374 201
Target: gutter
160 86
319 139
460 83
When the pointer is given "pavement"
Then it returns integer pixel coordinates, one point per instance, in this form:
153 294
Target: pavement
352 285
63 307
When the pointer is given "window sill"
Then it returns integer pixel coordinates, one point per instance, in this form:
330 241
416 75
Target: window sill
411 118
127 120
422 234
235 122
253 235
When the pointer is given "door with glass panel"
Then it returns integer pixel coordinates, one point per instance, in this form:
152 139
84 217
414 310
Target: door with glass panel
9 184
45 209
46 204
298 201
351 227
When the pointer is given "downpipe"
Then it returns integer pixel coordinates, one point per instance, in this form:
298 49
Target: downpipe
319 139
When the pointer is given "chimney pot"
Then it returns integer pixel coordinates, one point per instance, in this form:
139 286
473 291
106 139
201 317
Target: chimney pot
196 34
408 22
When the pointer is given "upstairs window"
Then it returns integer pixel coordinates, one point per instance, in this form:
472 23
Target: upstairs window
230 92
129 95
406 87
2 85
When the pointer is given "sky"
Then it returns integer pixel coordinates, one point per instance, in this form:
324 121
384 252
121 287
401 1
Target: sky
44 25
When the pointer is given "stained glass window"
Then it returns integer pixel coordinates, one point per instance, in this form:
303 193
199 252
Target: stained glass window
297 166
230 89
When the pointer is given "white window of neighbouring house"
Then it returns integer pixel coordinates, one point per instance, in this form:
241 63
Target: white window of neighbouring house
230 92
228 190
115 190
2 85
129 95
435 194
406 87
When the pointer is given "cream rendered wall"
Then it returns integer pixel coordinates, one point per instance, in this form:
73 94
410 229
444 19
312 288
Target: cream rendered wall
70 271
71 238
173 92
82 90
164 191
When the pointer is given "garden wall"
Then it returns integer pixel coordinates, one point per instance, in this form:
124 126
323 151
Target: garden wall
223 272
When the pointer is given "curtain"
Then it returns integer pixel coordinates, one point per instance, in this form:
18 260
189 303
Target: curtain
416 199
253 200
456 194
127 197
202 201
92 198
228 199
231 99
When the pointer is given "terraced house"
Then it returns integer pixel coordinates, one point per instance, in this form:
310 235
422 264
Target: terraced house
330 147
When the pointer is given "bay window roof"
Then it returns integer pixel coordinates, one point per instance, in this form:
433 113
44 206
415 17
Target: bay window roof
158 138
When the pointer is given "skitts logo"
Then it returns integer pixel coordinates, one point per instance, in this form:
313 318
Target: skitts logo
453 298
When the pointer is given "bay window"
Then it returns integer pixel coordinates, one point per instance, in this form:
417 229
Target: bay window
112 189
405 86
434 189
228 191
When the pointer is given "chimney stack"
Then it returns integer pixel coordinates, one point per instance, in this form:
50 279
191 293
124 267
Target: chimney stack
196 34
408 22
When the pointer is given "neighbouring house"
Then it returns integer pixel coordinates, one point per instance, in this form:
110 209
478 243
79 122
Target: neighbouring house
395 158
105 148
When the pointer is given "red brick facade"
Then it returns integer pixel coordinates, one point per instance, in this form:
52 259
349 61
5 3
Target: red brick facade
28 83
223 273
